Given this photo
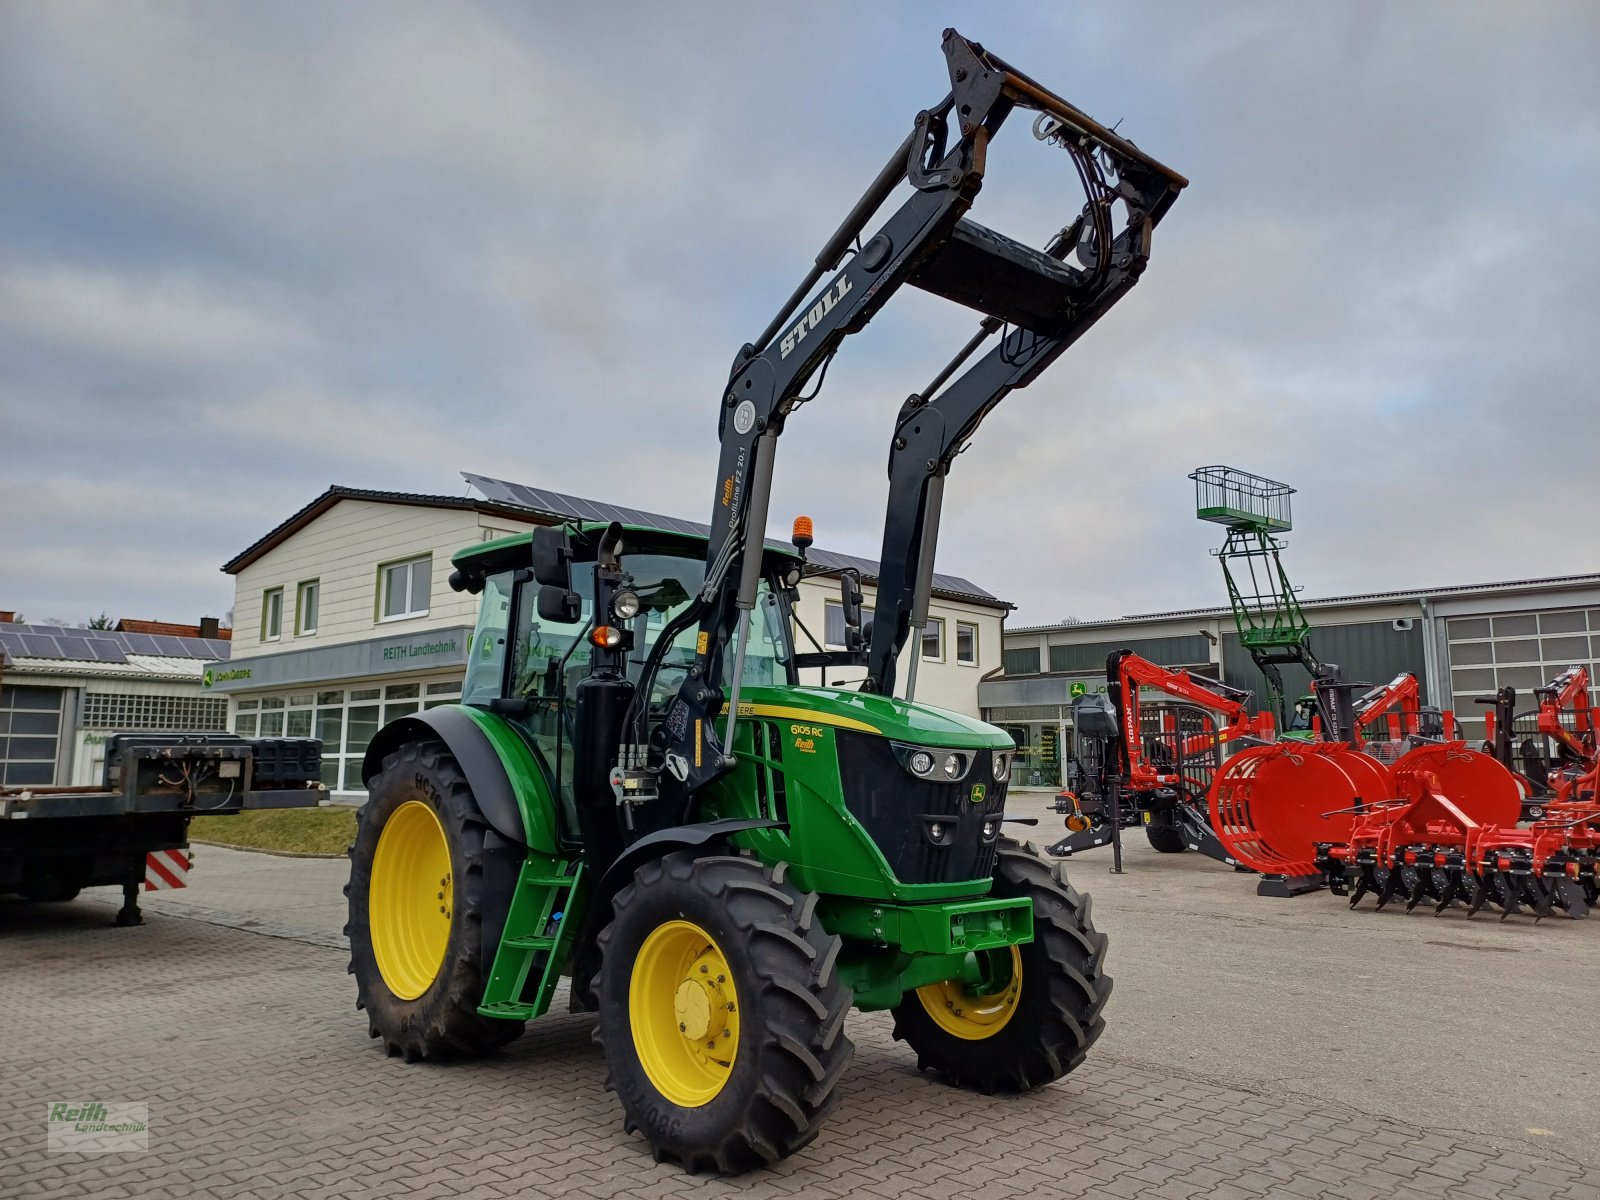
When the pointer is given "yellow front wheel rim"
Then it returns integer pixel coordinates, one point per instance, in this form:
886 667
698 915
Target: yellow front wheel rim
412 899
683 1011
959 1012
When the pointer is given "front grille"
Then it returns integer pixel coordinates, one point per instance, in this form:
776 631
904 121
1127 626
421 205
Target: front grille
896 808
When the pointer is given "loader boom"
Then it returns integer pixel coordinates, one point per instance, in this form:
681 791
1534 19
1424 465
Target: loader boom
1039 302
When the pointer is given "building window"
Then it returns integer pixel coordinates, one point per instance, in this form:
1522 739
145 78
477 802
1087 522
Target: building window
405 587
272 615
966 644
833 626
1021 660
30 729
933 640
116 710
345 720
306 599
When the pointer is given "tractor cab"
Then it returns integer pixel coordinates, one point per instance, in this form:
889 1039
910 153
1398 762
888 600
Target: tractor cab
526 663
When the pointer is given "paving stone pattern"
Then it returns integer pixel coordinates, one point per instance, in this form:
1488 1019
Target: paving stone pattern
261 1083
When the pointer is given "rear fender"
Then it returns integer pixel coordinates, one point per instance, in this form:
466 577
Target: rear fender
506 779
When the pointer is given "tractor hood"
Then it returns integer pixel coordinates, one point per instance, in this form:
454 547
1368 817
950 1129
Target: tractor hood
920 724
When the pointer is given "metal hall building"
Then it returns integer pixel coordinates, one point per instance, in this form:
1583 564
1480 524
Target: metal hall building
1461 643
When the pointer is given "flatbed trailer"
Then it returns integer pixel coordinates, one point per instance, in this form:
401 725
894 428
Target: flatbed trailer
132 831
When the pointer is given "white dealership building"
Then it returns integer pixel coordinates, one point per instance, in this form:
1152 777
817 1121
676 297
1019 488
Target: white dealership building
344 618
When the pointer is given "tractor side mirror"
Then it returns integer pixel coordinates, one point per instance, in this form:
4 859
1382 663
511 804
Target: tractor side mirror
552 557
558 604
850 601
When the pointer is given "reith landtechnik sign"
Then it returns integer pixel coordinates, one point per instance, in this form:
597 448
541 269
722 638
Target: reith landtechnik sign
420 651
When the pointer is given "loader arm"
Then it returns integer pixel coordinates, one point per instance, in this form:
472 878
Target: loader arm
1040 302
1569 691
1129 672
1398 706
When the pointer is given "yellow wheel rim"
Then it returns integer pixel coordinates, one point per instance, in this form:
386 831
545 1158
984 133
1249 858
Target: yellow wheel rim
411 899
683 1011
956 1010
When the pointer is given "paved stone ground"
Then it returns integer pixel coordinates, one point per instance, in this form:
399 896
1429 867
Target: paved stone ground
1216 1077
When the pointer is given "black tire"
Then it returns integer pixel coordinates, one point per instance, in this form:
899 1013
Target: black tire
1058 1010
50 891
1164 834
442 1022
791 1047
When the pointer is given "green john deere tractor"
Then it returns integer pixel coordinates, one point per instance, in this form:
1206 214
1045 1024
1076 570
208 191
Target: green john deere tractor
638 793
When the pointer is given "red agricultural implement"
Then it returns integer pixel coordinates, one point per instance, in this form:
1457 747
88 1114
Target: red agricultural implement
1272 806
1146 750
1422 845
1548 748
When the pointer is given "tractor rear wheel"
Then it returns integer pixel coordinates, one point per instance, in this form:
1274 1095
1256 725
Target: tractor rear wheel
1043 1009
721 1011
1164 834
416 929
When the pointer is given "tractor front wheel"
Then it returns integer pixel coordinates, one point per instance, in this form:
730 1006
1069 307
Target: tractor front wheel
1038 1012
416 929
721 1011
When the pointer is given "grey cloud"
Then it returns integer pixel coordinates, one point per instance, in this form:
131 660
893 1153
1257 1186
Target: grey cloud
317 244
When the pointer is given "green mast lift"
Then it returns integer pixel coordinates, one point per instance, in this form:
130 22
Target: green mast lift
1272 627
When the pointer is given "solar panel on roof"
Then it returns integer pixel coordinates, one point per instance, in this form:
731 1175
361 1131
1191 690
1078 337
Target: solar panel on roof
502 491
73 647
139 643
171 647
105 650
38 645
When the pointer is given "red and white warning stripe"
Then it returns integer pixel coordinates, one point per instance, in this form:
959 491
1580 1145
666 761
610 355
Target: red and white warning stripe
165 869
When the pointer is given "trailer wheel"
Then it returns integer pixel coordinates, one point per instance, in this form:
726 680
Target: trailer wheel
50 891
721 1012
416 878
1164 834
1044 1011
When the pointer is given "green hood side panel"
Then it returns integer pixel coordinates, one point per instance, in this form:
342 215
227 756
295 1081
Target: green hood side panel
922 724
789 771
527 779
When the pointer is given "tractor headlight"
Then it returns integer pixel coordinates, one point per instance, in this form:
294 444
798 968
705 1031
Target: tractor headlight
927 762
625 605
1002 765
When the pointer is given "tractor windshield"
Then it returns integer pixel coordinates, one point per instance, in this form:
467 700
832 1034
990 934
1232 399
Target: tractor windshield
666 585
547 658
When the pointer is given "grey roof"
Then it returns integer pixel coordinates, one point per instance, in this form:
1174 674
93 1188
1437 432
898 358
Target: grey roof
560 506
519 501
69 643
1418 594
298 520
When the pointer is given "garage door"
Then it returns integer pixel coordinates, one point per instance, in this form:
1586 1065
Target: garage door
1520 650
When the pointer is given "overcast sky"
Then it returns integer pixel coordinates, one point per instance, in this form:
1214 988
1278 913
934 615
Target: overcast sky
247 251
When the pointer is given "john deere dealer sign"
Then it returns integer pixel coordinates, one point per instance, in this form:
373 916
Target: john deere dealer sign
424 650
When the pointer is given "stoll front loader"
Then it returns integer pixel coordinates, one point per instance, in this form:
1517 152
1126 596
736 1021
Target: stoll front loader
636 792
